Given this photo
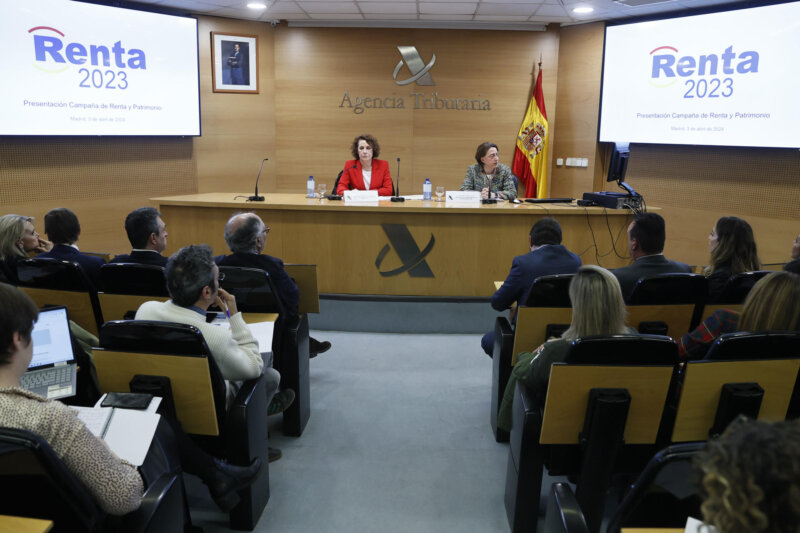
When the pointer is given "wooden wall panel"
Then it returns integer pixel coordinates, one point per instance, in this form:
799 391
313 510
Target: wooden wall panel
315 67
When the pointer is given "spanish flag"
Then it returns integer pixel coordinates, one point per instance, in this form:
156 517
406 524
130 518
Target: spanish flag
530 156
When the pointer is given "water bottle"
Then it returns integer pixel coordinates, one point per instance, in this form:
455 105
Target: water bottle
426 189
310 186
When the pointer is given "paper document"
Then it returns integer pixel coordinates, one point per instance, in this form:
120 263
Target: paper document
696 526
262 331
128 432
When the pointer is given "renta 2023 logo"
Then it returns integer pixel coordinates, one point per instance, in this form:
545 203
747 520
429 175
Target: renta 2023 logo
706 76
53 55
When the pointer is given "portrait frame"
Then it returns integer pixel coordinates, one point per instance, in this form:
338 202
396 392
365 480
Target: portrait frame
234 70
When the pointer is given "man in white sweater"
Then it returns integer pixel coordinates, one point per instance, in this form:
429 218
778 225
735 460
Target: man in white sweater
193 284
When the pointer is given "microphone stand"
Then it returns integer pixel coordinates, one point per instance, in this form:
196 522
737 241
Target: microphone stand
398 198
256 197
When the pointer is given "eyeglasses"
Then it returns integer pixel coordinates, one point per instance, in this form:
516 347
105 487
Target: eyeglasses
221 277
266 230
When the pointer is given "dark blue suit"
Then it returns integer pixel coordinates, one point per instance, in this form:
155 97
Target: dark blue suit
544 261
89 263
644 267
142 257
286 287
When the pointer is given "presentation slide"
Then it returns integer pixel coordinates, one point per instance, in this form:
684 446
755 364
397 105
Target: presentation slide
83 69
722 79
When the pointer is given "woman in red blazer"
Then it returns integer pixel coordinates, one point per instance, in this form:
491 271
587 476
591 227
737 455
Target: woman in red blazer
364 172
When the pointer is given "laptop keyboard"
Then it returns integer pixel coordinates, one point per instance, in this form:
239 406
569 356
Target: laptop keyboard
45 378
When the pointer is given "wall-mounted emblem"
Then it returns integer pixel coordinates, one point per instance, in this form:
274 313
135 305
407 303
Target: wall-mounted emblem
406 248
419 70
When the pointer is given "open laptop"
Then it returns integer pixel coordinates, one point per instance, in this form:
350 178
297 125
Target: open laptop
53 369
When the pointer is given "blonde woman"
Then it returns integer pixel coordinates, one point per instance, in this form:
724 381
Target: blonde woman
18 237
597 309
771 305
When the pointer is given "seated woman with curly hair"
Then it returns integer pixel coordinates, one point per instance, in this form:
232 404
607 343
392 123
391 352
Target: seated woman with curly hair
751 478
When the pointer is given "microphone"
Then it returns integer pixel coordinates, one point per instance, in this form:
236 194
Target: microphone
398 198
256 197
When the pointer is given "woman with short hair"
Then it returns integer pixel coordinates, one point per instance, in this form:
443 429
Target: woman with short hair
488 175
597 309
365 172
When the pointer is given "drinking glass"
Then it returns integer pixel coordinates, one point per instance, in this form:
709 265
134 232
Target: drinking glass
439 193
322 188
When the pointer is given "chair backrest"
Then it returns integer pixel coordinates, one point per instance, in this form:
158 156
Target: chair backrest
55 282
703 382
738 286
664 494
550 291
563 513
305 276
678 288
38 485
133 278
644 366
756 345
677 319
177 351
253 289
532 324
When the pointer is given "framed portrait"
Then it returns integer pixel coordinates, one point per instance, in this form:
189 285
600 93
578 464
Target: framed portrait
234 63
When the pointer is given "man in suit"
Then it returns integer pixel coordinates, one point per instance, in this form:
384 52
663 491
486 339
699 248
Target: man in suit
646 236
547 256
63 228
246 236
148 236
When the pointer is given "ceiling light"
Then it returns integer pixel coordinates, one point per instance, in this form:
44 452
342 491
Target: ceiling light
583 10
256 5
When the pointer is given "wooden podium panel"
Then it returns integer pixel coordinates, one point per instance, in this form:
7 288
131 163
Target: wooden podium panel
413 248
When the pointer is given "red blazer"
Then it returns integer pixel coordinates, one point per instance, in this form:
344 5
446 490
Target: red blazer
353 179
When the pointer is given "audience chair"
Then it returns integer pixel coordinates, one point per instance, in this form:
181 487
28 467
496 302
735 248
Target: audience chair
563 513
667 304
603 409
663 495
738 287
39 485
55 282
178 352
305 277
546 313
126 286
744 373
255 293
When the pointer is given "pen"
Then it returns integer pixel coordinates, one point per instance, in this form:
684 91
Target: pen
225 307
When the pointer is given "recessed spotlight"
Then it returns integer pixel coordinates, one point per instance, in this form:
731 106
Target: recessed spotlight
256 5
583 10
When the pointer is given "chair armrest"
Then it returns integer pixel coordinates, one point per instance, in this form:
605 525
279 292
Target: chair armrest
246 423
161 509
563 514
501 370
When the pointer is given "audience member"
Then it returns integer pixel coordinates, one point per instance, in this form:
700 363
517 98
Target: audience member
18 237
114 483
492 178
193 284
547 256
794 264
750 478
597 309
771 305
147 234
733 250
646 236
63 228
246 236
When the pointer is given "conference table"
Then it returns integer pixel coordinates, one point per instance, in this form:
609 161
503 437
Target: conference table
414 248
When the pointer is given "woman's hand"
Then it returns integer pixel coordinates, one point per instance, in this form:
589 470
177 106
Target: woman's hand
43 246
485 193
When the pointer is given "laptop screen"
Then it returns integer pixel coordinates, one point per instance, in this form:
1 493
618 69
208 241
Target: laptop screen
51 340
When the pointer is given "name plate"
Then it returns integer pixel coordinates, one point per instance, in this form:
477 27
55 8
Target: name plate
361 197
463 197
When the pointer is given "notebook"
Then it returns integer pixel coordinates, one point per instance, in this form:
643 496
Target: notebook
53 369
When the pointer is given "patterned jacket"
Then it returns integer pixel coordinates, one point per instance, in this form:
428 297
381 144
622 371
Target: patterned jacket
503 184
